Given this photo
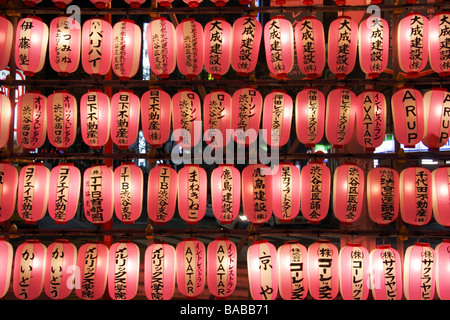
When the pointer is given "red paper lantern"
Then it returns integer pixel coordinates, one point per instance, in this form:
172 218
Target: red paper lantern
6 41
135 3
160 271
310 116
98 194
436 103
33 192
437 36
191 267
5 119
442 265
440 195
31 120
217 118
62 3
323 270
125 112
277 118
127 39
262 270
64 192
186 118
128 192
354 264
96 47
29 270
95 113
6 256
225 193
222 267
192 193
217 43
420 272
9 181
101 4
286 191
292 271
190 47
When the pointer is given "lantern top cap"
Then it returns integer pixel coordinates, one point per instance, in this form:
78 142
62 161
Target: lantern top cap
278 90
127 20
261 241
188 19
219 18
322 241
422 244
446 240
190 239
221 238
310 17
32 241
159 18
33 17
61 91
384 246
354 244
62 241
414 13
291 242
278 17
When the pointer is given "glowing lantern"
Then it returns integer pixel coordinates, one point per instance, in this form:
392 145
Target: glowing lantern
64 45
277 118
62 119
441 195
6 36
225 193
262 270
323 270
286 191
31 120
292 271
64 192
191 267
222 267
438 35
247 35
127 39
310 46
415 195
192 193
62 3
217 45
5 119
354 264
96 47
342 46
135 3
257 193
190 47
7 256
29 270
436 103
162 193
92 264
186 118
101 4
386 273
442 263
60 273
125 112
98 194
160 271
95 113
33 192
310 116
31 45
128 192
420 272
217 118
8 190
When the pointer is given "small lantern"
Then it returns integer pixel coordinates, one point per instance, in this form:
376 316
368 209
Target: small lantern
101 4
62 4
354 264
218 41
225 193
192 193
420 272
6 256
95 113
5 119
438 36
277 118
222 267
286 192
96 47
262 270
191 267
186 118
128 192
31 120
9 182
310 116
217 118
442 265
292 271
436 103
127 39
323 270
135 4
98 194
440 195
125 112
6 41
190 50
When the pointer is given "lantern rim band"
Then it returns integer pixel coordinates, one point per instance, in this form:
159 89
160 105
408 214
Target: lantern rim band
422 244
261 241
384 246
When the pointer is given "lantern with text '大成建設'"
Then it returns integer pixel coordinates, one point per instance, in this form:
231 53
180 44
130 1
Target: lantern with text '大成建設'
96 47
5 119
218 35
98 194
292 271
156 105
323 270
419 272
386 273
262 268
286 191
161 46
190 47
7 257
191 267
9 182
222 267
438 37
217 118
225 193
277 118
162 193
128 192
440 193
354 274
126 57
310 116
62 119
31 120
436 104
186 118
442 264
6 41
95 117
192 193
125 113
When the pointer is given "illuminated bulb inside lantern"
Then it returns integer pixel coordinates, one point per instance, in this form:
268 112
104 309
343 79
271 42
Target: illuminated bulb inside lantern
35 39
443 191
416 264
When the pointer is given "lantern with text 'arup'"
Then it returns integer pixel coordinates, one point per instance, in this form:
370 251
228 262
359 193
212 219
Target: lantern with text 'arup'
9 181
262 268
128 192
436 103
286 189
96 47
438 38
292 271
225 193
190 47
419 272
5 119
191 267
277 118
6 41
386 273
125 112
62 119
323 270
162 193
310 116
441 194
354 266
162 46
186 118
217 44
98 194
127 39
222 267
156 106
31 120
95 113
442 265
217 118
192 193
7 257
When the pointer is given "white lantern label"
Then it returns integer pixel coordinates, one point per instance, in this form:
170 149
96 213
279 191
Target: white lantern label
352 192
259 194
416 42
160 44
313 113
222 269
157 284
444 40
120 272
344 42
246 111
163 193
192 267
94 204
32 120
62 43
422 201
123 117
315 191
120 45
216 113
265 269
190 41
275 45
246 47
296 266
286 192
227 181
344 115
426 273
62 193
194 193
357 266
56 270
372 121
309 50
26 268
277 117
62 119
390 273
376 44
90 267
325 264
92 118
126 189
28 192
95 44
187 111
387 184
25 41
154 116
215 46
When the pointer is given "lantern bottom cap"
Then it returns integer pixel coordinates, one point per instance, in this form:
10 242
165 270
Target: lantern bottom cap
308 2
444 74
220 3
312 75
135 5
164 3
281 76
29 3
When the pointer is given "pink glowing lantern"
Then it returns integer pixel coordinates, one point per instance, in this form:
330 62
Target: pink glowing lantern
5 119
9 182
310 116
6 256
436 103
419 272
101 4
98 194
217 118
192 193
62 4
31 120
96 47
125 113
135 4
222 267
95 117
225 193
277 118
323 270
6 42
262 268
128 192
186 118
354 264
438 35
162 193
191 267
217 44
442 265
292 271
440 195
127 39
286 191
190 48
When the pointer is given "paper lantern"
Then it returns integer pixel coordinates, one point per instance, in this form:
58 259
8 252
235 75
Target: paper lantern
64 192
342 46
442 262
31 45
310 46
96 47
247 35
323 270
98 194
5 119
125 112
31 120
29 270
190 47
440 195
257 193
420 272
101 4
225 193
192 193
128 192
277 118
217 118
438 36
222 267
408 116
262 270
62 3
61 258
127 39
160 271
62 119
6 36
92 263
217 44
340 116
310 116
415 195
162 193
292 271
186 118
95 113
64 45
354 264
386 273
135 3
436 103
33 192
6 256
9 182
286 191
191 267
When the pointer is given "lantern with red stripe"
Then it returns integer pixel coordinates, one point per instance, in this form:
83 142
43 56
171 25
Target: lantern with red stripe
31 45
62 3
62 119
95 113
440 178
436 103
98 194
64 192
33 192
192 193
101 4
354 264
262 268
292 271
128 192
190 47
310 116
31 120
416 195
125 112
127 39
442 265
217 44
135 3
437 37
222 267
286 191
340 117
191 267
217 118
277 118
386 273
6 256
96 47
420 272
60 273
29 270
5 119
323 270
156 105
225 193
92 264
160 271
9 183
186 117
6 41
162 193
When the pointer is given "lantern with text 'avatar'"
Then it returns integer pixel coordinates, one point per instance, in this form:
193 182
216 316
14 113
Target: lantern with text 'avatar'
277 118
286 189
92 264
162 46
340 116
292 271
186 118
217 118
420 272
192 193
225 193
128 192
33 192
101 4
156 106
262 268
217 44
6 256
96 47
442 265
64 192
62 119
5 119
9 181
354 264
386 273
191 267
98 194
190 47
160 271
416 195
440 194
127 39
162 193
310 116
436 104
222 267
95 113
31 120
438 38
6 41
62 3
135 3
125 112
60 272
323 270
